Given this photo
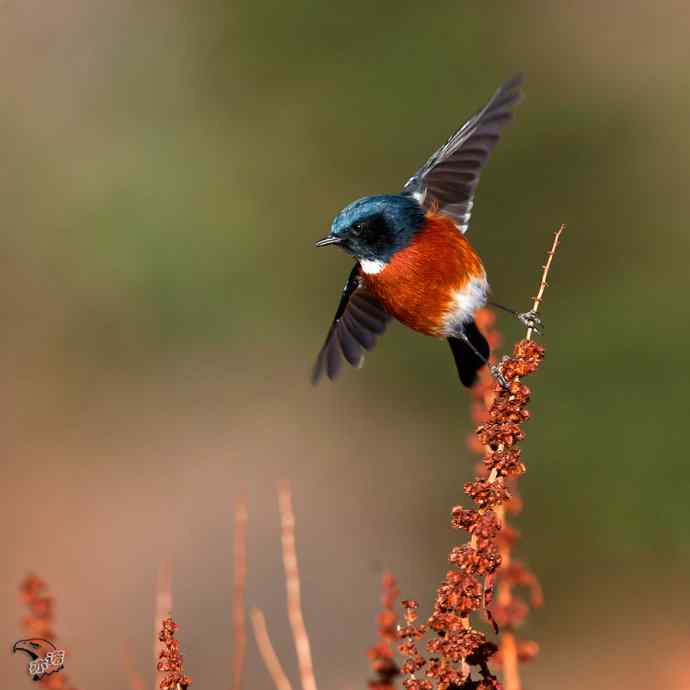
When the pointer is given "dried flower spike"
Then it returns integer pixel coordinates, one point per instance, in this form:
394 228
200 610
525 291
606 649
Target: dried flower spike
382 655
170 660
484 562
40 622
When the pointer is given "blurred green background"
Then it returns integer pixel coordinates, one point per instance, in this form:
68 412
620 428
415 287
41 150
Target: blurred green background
166 168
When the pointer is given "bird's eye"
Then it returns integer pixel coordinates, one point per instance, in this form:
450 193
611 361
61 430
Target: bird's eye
356 229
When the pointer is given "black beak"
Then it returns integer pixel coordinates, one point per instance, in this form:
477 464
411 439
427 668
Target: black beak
329 239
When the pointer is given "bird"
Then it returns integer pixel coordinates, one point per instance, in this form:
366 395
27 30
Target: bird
412 259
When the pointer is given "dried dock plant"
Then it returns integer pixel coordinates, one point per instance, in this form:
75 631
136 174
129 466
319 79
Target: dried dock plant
170 661
457 653
39 622
382 654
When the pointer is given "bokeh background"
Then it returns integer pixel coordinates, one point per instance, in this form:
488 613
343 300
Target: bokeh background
166 168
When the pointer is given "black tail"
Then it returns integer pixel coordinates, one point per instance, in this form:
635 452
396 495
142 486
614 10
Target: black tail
466 360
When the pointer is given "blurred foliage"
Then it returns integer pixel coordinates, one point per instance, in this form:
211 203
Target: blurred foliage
169 167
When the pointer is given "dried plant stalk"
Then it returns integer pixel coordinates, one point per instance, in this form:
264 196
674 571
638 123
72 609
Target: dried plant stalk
508 650
268 654
292 585
170 661
163 609
507 611
543 284
458 649
240 575
40 623
510 611
382 655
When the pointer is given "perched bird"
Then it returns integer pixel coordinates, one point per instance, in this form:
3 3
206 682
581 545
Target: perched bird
413 261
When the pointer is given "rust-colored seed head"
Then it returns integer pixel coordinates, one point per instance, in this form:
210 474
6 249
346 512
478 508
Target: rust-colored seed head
487 494
456 648
484 572
170 660
40 622
381 655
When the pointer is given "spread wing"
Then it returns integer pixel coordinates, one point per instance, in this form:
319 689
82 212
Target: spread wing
358 322
447 181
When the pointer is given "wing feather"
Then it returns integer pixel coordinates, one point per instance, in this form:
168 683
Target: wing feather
448 180
358 322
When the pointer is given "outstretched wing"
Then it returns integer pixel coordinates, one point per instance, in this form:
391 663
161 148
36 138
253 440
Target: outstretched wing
447 181
358 322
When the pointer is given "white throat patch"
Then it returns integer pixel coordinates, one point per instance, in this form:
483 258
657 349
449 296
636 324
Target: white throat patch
372 267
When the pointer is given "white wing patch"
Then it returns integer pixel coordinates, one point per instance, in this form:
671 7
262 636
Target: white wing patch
465 303
463 223
420 196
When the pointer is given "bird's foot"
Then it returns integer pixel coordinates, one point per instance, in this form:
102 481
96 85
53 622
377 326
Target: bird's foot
528 318
531 320
497 372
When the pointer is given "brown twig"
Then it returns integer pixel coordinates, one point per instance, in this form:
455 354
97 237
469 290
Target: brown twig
240 574
543 284
292 585
508 650
505 609
268 654
510 611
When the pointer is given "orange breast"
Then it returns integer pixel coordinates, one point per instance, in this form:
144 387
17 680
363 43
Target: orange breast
417 285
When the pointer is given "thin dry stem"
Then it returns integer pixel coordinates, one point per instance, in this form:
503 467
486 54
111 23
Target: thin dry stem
509 656
545 274
508 643
162 611
292 585
240 575
268 653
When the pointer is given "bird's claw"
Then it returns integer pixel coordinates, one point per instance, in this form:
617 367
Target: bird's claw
531 320
497 373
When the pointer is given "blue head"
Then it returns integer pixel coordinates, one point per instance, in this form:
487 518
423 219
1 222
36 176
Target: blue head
375 227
